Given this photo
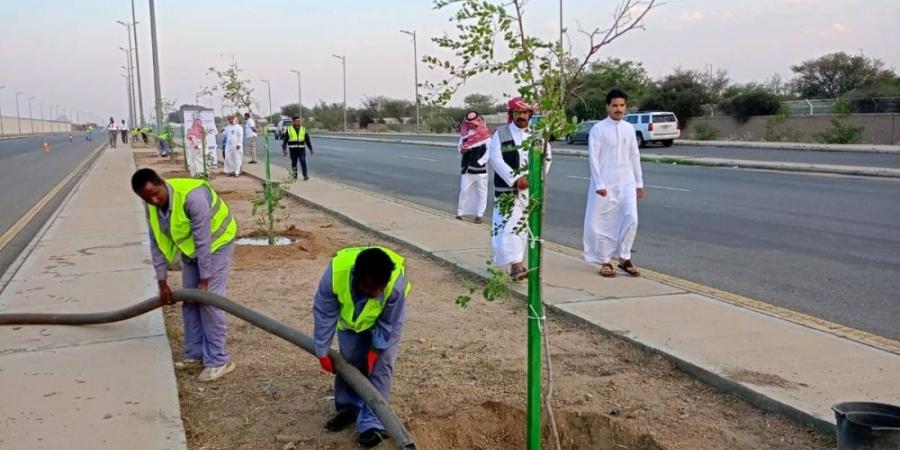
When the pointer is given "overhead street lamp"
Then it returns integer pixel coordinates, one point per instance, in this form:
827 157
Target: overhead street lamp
1 114
344 69
299 92
415 71
269 87
30 115
18 116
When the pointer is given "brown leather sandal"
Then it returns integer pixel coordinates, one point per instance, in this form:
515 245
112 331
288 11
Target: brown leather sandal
629 267
607 271
518 275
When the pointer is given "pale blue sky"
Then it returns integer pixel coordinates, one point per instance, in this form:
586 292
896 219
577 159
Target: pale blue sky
65 52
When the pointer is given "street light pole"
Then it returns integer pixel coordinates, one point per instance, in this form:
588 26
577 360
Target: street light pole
344 70
1 114
132 102
43 126
30 115
157 91
299 92
269 88
415 71
130 95
18 116
137 64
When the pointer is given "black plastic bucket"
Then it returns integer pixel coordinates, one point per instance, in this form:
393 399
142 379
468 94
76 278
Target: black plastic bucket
867 426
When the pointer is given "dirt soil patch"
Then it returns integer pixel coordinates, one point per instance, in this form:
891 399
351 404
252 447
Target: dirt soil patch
460 375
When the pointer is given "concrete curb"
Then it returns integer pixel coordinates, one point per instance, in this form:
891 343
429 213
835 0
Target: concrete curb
709 377
675 159
801 146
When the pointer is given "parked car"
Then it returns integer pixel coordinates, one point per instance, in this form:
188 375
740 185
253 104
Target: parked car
580 136
278 128
654 126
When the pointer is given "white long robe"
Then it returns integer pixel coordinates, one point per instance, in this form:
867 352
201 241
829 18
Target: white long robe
473 188
195 156
509 246
610 223
234 156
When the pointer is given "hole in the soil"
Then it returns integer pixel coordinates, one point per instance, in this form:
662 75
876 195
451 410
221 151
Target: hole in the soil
498 426
279 240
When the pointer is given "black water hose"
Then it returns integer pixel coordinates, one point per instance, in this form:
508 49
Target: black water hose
357 381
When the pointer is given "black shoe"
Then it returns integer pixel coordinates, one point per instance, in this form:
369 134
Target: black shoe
341 420
371 437
305 178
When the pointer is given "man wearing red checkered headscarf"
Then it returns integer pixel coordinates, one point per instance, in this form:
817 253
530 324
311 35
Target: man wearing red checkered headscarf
509 161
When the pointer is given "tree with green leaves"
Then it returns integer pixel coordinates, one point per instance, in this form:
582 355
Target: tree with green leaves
839 74
588 102
480 103
235 91
542 74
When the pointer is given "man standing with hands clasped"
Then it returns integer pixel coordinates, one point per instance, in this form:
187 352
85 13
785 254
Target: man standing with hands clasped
611 218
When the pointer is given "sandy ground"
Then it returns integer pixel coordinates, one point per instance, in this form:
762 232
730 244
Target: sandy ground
460 376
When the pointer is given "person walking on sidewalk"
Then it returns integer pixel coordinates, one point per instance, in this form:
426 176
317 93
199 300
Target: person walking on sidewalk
123 129
473 139
234 156
250 136
90 132
362 296
187 217
112 129
617 182
296 139
509 160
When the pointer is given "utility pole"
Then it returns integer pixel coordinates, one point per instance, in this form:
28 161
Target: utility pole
43 125
269 88
137 64
130 95
344 69
18 116
157 91
415 71
299 92
30 115
1 114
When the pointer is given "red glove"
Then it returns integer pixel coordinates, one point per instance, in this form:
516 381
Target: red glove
326 364
372 359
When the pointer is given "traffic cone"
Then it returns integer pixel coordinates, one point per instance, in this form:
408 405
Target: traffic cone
46 147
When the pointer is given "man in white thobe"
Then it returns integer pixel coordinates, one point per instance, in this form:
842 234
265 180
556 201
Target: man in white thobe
234 155
473 186
611 218
509 161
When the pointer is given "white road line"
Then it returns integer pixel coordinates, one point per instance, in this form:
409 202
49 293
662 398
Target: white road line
19 156
647 185
420 159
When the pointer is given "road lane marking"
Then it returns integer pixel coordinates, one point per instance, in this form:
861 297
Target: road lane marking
420 159
11 233
19 156
647 185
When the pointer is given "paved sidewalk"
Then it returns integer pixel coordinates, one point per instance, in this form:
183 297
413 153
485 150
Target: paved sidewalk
774 363
688 160
98 387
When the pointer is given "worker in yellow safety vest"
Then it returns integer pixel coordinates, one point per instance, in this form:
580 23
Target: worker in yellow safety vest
362 296
296 140
186 217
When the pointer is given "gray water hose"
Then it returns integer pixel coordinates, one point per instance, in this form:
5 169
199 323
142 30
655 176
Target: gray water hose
357 381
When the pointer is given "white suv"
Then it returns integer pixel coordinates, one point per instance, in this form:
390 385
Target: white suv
654 126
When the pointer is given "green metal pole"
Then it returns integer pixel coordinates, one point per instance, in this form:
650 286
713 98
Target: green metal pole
184 145
270 206
205 167
535 307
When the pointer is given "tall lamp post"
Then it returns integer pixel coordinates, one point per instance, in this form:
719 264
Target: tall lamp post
415 71
299 92
344 69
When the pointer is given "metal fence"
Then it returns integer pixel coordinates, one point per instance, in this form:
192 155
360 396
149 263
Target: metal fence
812 107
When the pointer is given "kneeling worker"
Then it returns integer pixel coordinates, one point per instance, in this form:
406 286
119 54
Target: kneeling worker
187 216
362 295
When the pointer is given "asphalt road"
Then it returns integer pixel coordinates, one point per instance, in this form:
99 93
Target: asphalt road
827 246
27 174
744 153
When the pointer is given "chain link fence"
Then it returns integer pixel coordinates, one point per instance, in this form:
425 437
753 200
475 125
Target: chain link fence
812 107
